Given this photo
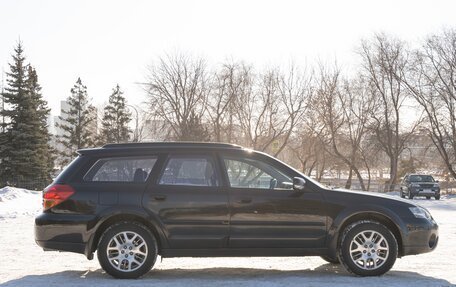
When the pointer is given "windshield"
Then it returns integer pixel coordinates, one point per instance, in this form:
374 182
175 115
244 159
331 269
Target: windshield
421 178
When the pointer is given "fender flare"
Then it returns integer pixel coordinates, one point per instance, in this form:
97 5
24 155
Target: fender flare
369 211
108 214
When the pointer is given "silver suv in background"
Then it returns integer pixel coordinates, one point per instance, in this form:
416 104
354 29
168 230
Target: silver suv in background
420 185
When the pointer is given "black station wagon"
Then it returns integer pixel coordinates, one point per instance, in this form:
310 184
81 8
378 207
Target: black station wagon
132 202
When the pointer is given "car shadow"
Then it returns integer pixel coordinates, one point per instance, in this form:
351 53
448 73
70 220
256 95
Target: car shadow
324 275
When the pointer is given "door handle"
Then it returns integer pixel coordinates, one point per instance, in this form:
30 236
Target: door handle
160 197
245 200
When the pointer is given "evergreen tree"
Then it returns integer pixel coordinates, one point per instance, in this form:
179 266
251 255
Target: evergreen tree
116 118
78 123
25 152
44 153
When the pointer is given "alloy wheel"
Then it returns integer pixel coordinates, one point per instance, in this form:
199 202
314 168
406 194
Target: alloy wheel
127 251
369 250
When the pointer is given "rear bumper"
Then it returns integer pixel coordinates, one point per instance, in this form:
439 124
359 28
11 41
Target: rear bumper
422 237
65 232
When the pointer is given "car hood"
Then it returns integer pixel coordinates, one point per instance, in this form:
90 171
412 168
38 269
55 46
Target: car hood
374 194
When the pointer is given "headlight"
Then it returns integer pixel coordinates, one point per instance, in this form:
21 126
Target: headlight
420 212
436 185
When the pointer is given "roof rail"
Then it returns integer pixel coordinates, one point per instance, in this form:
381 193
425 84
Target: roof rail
170 144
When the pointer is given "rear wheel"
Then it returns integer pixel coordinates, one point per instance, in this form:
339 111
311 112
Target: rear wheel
368 248
330 259
127 250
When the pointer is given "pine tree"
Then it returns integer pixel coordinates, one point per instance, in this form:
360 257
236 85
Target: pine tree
78 123
44 153
116 118
25 151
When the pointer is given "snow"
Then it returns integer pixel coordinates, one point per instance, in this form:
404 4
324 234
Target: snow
16 202
25 264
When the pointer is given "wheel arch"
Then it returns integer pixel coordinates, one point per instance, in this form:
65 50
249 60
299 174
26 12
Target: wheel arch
380 217
114 218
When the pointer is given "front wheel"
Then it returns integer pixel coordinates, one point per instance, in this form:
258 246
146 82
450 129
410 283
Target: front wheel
127 250
437 197
368 248
428 197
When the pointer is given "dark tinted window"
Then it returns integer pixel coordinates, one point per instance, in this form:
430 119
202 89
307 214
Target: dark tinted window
121 169
251 173
192 171
421 178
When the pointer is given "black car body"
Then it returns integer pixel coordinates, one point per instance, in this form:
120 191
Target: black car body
200 200
414 185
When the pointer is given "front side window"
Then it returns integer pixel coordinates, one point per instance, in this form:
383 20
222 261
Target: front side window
190 171
127 169
251 173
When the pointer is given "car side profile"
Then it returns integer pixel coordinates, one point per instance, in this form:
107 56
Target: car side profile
414 185
130 203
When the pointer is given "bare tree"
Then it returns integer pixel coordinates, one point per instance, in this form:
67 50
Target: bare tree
177 89
307 149
384 61
344 109
269 113
233 81
431 79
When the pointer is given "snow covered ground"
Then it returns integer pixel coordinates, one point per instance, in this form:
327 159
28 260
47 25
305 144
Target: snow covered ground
23 263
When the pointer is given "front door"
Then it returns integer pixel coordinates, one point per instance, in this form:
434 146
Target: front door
191 205
265 210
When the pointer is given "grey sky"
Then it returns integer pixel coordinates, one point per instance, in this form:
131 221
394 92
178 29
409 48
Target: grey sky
109 42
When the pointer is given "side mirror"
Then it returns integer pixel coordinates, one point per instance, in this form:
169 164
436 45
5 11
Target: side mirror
298 183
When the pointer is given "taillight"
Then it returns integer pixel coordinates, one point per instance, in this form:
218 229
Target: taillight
56 194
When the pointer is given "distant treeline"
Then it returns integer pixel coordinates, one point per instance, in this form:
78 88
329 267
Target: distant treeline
317 117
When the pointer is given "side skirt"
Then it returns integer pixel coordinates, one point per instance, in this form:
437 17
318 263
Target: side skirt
243 252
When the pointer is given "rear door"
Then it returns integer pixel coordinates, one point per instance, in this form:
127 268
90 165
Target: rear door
189 202
265 210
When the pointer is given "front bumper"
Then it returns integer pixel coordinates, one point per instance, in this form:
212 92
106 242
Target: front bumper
421 236
63 232
420 191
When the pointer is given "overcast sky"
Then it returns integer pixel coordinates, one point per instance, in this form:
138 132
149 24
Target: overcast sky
109 42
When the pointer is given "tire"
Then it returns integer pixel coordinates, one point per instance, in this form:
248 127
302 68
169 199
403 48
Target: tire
428 197
140 241
437 197
361 263
410 196
330 260
402 194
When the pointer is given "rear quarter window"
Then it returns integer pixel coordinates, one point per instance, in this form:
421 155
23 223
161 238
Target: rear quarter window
121 169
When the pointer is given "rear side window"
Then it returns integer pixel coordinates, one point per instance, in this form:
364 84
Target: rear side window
189 170
121 169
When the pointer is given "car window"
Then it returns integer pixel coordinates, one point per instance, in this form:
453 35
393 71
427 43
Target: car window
190 171
250 173
121 169
421 178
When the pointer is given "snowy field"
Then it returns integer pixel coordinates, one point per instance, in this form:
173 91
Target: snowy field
23 263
